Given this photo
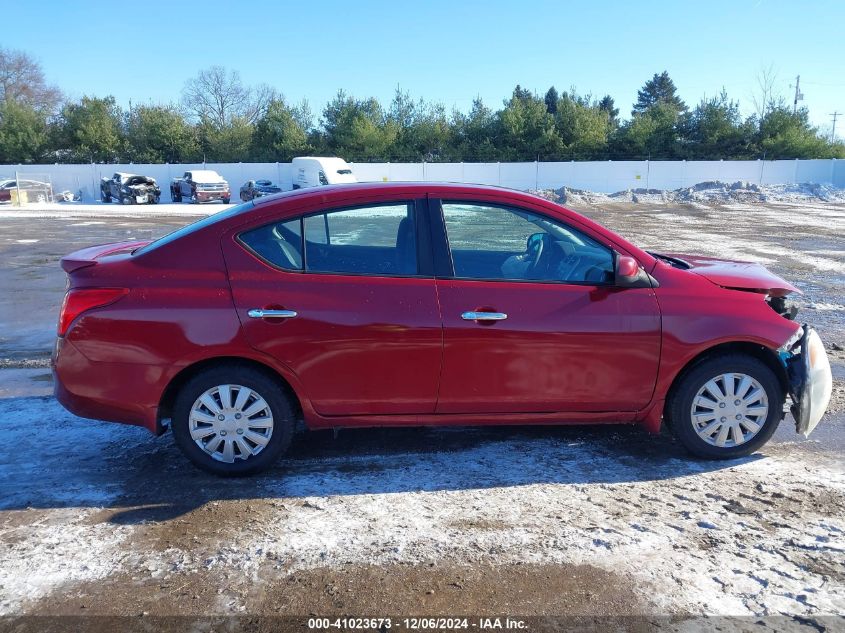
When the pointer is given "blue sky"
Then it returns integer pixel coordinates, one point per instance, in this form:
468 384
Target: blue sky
446 51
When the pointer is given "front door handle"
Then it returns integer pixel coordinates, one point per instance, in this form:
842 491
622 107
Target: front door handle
484 316
258 313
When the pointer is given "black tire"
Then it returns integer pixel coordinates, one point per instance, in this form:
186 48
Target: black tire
176 196
269 389
227 200
106 197
679 405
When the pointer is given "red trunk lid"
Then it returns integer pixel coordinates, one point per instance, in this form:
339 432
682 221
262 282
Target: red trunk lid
89 256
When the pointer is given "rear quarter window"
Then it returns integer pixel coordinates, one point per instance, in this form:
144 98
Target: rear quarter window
279 244
196 226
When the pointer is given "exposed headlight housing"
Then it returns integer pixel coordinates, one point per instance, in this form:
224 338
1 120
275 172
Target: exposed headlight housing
792 341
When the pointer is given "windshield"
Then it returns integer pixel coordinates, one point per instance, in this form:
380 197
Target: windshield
196 226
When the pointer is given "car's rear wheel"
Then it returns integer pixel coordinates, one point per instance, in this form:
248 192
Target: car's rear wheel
176 196
232 421
106 197
726 407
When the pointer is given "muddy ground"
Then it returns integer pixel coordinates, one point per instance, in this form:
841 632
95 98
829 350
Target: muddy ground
100 519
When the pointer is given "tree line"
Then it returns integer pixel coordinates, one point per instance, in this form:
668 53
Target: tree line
219 119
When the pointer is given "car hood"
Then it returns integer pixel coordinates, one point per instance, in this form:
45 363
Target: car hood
738 275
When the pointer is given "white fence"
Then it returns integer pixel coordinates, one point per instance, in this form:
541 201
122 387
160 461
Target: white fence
601 176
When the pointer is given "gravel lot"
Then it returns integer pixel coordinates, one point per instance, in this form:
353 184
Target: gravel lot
98 518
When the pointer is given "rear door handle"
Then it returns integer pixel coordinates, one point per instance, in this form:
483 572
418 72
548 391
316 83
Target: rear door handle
258 313
484 316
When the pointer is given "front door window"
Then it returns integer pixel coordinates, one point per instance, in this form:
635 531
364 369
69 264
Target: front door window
494 242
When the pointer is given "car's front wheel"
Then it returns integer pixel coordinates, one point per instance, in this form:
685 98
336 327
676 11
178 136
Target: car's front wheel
232 420
726 407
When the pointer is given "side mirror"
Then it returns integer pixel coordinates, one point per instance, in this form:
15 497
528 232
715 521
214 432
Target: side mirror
629 274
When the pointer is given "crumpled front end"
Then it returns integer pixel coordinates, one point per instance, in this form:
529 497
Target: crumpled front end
810 378
144 191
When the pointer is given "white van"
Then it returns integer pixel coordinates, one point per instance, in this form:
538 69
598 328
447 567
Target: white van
313 171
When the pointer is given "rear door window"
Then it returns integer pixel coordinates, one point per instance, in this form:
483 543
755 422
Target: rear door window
368 240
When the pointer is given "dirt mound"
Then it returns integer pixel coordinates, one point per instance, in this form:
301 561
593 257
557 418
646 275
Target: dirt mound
711 191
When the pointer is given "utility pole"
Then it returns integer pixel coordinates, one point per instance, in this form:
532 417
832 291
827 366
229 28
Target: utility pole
833 129
798 95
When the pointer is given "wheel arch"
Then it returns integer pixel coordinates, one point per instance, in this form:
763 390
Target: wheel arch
168 397
748 348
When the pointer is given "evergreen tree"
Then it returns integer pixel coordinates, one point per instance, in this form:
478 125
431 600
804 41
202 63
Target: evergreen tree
715 129
607 105
551 100
526 130
280 134
660 89
358 130
784 134
160 134
582 126
91 130
652 134
230 143
24 135
474 133
522 94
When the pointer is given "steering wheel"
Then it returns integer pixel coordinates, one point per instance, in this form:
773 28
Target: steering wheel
538 251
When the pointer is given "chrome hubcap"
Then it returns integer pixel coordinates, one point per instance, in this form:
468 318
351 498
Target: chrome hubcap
231 422
729 410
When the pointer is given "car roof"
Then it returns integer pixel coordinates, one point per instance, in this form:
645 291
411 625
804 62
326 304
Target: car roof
389 188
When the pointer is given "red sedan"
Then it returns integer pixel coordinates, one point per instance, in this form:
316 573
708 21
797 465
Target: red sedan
425 304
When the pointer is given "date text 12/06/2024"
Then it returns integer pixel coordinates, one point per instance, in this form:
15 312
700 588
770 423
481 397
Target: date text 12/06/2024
417 624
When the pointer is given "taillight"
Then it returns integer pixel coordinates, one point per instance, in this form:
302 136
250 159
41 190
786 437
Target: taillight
81 300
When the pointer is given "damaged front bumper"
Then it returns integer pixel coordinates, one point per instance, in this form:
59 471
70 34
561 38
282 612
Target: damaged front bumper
810 378
144 195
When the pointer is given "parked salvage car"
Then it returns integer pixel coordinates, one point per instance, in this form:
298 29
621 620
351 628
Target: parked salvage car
200 185
253 189
425 304
130 188
25 190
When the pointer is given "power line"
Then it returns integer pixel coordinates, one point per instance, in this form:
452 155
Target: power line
833 129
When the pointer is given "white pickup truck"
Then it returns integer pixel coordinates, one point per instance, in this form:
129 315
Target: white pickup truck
200 185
